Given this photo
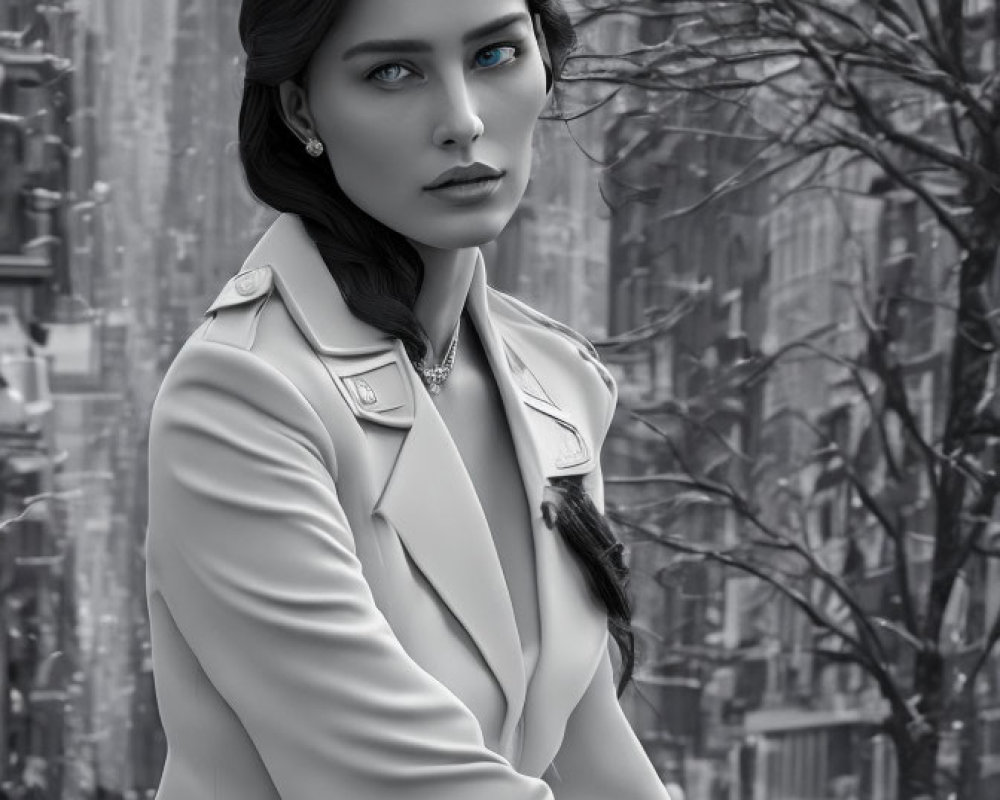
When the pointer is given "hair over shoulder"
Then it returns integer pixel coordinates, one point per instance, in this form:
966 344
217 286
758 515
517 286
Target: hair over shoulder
379 273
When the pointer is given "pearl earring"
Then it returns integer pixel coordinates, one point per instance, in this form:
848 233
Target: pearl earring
314 147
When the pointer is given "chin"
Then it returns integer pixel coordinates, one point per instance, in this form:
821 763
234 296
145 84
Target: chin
462 229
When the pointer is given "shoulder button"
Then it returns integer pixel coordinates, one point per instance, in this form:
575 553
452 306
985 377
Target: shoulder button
247 282
244 287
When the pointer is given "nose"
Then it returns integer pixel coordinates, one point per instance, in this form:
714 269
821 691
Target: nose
458 123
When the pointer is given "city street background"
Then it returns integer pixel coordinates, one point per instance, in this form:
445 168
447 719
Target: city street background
779 223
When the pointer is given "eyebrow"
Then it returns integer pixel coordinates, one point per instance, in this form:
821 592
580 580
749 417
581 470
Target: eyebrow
417 46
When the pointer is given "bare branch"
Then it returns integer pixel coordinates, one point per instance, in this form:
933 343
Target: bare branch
701 427
734 183
981 512
854 141
741 506
742 564
969 682
589 110
916 644
875 667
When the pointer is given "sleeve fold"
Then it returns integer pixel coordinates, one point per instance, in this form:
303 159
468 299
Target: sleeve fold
255 560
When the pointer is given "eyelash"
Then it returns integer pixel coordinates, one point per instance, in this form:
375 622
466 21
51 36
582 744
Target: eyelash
517 48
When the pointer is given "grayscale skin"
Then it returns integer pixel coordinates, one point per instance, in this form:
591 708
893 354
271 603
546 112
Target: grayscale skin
389 135
352 591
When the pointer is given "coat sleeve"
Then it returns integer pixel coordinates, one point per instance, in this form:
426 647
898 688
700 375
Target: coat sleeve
255 560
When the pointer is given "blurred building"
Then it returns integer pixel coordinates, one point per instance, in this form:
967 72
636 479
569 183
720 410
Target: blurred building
880 244
554 252
36 643
729 684
209 220
687 298
67 456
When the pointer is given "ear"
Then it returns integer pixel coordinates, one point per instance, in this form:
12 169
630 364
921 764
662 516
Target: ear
543 49
295 110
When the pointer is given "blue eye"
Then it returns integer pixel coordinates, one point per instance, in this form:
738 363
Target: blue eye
497 55
513 51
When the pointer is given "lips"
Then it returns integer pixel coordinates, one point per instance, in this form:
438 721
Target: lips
465 174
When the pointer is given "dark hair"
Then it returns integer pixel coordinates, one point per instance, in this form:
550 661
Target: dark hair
378 272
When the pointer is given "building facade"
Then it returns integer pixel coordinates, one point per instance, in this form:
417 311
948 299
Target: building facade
67 454
731 685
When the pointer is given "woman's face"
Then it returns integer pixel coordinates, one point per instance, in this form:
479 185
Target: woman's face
468 86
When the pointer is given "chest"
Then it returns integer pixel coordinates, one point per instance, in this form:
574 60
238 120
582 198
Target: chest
473 412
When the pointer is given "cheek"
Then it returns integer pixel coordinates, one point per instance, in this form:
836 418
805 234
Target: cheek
512 116
512 120
359 133
380 151
372 152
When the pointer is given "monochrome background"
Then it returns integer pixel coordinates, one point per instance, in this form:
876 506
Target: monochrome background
777 220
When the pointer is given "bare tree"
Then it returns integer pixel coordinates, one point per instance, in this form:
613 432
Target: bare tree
907 93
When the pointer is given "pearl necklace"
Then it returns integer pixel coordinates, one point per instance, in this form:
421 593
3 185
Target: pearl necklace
434 375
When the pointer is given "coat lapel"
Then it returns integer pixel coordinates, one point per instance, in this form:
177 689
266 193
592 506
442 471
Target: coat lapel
550 442
426 494
430 501
428 497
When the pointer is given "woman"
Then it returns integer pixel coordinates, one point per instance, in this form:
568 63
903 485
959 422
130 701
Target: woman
376 564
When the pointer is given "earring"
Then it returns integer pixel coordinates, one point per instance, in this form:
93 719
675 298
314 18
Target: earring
314 147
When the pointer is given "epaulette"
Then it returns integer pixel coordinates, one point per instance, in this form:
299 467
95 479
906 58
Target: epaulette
243 287
553 324
235 312
585 346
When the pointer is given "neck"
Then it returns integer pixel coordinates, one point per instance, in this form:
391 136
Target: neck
447 277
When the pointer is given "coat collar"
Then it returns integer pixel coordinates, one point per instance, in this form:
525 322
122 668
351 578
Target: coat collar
459 559
310 294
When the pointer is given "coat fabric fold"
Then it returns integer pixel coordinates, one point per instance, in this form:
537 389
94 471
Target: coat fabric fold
328 612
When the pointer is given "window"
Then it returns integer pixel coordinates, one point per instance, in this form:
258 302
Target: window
11 181
640 296
732 302
663 366
731 299
623 302
883 767
989 727
825 520
920 394
668 273
738 629
993 590
800 764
